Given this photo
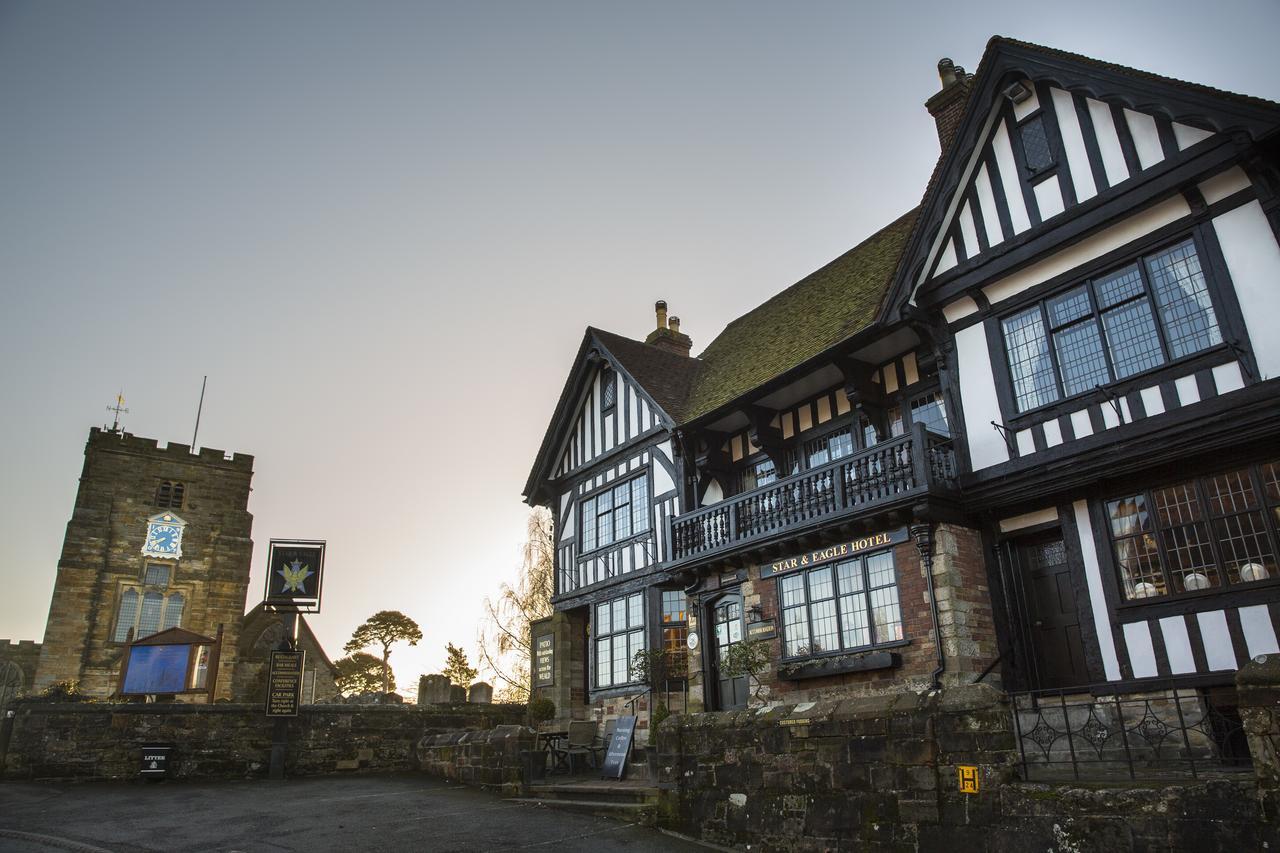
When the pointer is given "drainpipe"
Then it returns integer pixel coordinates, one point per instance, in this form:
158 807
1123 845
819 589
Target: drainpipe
923 535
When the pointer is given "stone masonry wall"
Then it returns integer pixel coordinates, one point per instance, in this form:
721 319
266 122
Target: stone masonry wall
496 759
89 741
102 553
880 774
25 655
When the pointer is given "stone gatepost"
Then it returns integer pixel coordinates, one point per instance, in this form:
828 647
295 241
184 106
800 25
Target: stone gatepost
457 693
558 669
480 694
1258 688
433 690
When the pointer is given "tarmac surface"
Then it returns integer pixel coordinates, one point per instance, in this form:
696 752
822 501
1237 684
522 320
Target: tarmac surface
343 813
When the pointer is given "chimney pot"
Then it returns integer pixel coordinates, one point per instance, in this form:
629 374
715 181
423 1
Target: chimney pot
674 324
947 72
660 307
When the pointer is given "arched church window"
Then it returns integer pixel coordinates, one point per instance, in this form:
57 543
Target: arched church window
128 614
172 611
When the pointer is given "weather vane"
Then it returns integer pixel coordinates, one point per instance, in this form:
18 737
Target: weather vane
119 409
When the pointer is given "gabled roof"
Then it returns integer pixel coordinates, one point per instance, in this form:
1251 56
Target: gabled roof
174 637
1005 59
665 376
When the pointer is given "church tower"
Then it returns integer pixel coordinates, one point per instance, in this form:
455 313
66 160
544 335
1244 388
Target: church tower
159 537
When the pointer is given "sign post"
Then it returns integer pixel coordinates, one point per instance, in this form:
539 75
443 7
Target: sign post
295 574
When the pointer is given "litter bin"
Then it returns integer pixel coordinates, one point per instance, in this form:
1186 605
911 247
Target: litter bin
156 758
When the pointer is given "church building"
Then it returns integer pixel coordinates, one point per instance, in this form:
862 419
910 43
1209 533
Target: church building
1024 434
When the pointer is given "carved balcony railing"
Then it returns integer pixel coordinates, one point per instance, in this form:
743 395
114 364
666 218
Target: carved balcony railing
893 471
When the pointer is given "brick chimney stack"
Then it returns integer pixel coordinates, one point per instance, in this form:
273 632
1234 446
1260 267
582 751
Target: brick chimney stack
947 105
667 336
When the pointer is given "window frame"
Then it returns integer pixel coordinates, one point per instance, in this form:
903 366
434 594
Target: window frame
674 672
165 494
595 637
607 372
609 488
864 594
1216 285
142 587
1268 507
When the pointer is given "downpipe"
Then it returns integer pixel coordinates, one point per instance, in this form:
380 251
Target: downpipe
923 536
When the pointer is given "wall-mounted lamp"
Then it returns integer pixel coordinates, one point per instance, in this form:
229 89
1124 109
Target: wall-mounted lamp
1017 92
757 613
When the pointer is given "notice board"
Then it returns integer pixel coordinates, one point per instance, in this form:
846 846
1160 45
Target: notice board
284 683
615 757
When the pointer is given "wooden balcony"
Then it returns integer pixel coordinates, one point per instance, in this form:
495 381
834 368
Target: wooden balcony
900 471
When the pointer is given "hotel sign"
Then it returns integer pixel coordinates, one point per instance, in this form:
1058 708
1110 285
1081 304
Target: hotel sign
843 551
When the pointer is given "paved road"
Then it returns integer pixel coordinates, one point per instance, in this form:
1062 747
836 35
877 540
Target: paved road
348 813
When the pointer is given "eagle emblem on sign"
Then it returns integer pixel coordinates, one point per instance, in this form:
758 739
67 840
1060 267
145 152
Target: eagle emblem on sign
295 575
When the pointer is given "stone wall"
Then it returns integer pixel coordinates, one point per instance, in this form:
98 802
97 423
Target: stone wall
23 655
880 773
102 554
497 759
101 741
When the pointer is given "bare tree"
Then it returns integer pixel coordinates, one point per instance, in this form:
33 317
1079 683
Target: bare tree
504 632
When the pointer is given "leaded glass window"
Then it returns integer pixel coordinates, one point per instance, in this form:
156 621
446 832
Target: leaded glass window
608 388
1198 534
1109 328
675 632
619 634
1036 150
932 412
848 605
128 615
615 514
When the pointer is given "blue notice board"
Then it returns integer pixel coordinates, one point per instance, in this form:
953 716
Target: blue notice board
157 669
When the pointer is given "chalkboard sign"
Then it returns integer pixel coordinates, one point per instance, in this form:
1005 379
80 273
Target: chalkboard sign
615 758
544 661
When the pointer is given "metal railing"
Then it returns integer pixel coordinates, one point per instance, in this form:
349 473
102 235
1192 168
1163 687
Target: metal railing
1160 730
900 468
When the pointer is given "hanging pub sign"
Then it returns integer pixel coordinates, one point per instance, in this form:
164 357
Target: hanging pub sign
295 571
284 683
843 551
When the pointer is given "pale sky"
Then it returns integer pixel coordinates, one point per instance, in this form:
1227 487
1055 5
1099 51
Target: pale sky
380 229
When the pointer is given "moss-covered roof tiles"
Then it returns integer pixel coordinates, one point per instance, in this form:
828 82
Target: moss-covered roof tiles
812 315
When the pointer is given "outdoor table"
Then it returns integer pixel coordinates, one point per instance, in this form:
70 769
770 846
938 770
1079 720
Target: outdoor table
550 742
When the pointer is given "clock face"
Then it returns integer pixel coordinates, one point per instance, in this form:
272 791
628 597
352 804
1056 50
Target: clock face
164 537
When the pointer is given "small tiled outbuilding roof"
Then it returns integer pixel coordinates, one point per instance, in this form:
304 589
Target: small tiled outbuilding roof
808 318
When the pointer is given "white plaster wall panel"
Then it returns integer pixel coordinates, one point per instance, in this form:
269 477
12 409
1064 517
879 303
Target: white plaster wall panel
948 259
978 398
1253 259
1110 239
608 432
714 494
1142 654
1259 633
1110 417
1216 639
1177 645
1049 198
890 373
1224 184
567 518
787 429
1227 377
987 204
1097 600
664 449
824 410
842 402
1026 442
1008 169
1146 138
633 411
1188 390
1052 433
969 231
1073 142
1186 135
806 419
1028 519
1152 400
662 482
1104 131
910 369
1081 424
1125 414
959 309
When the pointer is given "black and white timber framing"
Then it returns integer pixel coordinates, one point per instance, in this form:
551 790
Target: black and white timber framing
1062 171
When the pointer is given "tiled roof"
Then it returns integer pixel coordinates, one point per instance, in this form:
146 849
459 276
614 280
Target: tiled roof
665 376
812 315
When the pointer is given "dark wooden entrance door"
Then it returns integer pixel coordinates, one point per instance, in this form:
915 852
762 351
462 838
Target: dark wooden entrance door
1052 619
726 620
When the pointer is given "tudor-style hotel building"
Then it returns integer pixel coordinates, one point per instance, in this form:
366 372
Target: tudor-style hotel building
1028 433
